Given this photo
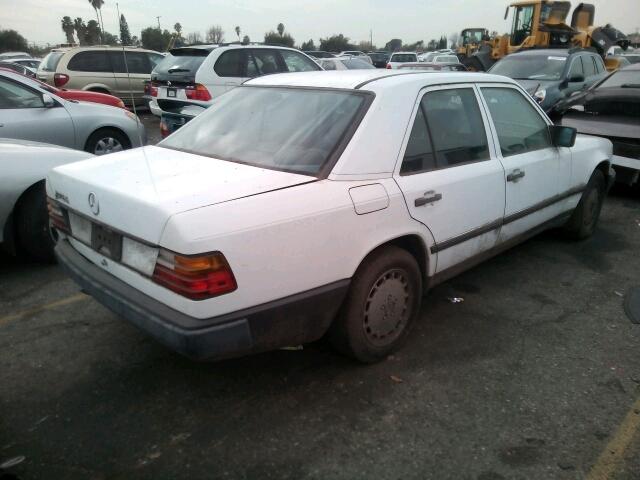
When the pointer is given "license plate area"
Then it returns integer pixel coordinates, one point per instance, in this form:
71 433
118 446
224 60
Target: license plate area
171 92
106 242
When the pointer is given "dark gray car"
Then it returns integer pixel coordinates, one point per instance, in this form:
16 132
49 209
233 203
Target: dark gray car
552 75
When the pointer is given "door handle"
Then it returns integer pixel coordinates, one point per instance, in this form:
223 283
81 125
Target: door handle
428 197
516 175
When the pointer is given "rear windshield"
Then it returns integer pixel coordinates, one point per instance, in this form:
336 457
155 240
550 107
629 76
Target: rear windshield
182 61
624 79
50 62
289 129
404 57
447 59
357 64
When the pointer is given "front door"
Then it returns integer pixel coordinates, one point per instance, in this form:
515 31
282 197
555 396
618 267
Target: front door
534 169
24 116
450 176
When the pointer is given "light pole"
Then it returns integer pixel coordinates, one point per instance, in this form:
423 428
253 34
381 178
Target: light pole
158 17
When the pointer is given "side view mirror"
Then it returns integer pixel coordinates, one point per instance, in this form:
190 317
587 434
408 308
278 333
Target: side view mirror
563 136
48 101
576 79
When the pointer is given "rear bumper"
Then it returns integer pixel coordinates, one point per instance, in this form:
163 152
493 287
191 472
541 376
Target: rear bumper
294 320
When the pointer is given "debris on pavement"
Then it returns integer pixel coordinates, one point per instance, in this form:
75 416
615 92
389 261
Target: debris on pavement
293 348
455 299
396 379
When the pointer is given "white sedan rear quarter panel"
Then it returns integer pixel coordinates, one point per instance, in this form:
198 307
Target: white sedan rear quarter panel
288 241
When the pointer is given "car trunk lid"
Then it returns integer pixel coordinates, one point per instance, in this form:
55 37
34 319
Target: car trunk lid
137 191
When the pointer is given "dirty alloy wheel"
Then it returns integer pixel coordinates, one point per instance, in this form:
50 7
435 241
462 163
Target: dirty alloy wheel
585 217
106 141
381 306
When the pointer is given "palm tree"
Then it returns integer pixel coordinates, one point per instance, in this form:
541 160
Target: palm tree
238 32
97 6
281 28
68 28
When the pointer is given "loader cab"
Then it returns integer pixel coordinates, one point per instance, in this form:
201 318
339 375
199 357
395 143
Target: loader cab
473 36
532 21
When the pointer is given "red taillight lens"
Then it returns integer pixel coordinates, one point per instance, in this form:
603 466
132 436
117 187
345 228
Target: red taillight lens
164 131
198 92
388 66
60 79
153 90
58 216
195 277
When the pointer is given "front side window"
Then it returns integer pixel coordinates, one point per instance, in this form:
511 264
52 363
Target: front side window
522 24
519 126
137 62
288 129
90 61
14 95
266 61
576 68
589 66
296 62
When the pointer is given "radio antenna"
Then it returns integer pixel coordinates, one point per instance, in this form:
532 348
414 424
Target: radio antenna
133 102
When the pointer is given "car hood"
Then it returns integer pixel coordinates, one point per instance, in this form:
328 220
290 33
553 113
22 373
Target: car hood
139 190
532 86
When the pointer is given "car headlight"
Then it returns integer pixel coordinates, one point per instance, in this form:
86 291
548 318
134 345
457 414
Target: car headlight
540 95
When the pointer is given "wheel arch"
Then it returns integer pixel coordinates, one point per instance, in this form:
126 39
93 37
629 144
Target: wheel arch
10 240
97 87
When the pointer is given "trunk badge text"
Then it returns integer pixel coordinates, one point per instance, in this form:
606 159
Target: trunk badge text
94 205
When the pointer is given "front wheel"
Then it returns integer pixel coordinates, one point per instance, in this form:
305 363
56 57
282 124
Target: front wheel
107 140
585 217
381 306
32 225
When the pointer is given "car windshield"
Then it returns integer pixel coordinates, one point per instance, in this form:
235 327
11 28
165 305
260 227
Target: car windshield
447 59
531 67
281 128
50 62
621 78
404 57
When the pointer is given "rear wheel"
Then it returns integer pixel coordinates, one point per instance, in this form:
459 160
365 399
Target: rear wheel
585 217
381 306
107 140
32 224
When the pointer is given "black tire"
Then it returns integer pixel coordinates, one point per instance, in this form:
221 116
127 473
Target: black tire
32 225
381 279
100 90
585 217
107 140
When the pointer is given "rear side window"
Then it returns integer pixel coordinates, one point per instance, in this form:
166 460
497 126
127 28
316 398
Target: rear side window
456 126
90 61
50 62
230 64
520 127
418 156
297 62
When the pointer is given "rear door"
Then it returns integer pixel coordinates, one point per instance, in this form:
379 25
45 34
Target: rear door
536 172
90 69
24 116
450 176
130 76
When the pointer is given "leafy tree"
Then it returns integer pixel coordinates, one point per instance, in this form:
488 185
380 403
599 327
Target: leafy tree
366 46
453 39
412 47
194 38
135 41
432 45
155 39
215 34
393 45
246 40
11 41
110 38
280 28
443 42
97 6
125 35
237 29
93 34
273 38
336 43
308 46
178 29
80 28
68 28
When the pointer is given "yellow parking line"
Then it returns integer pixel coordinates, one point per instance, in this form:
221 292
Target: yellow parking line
58 303
612 456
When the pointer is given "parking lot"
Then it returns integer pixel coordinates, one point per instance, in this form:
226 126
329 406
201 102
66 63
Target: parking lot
535 375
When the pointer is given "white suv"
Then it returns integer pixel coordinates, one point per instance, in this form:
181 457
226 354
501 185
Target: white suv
200 74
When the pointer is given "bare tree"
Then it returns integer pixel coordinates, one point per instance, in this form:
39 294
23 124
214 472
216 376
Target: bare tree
215 34
453 38
194 38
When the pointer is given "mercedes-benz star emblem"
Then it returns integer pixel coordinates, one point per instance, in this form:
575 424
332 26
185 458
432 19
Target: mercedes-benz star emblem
94 205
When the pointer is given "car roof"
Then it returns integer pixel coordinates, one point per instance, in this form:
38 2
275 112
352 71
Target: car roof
404 53
356 79
558 52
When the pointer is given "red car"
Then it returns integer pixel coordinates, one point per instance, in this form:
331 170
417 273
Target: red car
80 95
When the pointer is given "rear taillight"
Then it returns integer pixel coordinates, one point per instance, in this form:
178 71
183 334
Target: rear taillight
198 92
60 79
197 277
388 66
58 216
164 131
154 91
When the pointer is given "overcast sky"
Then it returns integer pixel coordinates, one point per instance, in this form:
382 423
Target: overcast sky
409 20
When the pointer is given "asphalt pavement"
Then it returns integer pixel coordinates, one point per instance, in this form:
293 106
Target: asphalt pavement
535 375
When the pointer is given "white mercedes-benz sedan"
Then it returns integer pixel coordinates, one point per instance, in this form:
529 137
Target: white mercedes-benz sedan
306 204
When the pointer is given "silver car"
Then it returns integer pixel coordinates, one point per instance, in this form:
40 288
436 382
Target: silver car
29 112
